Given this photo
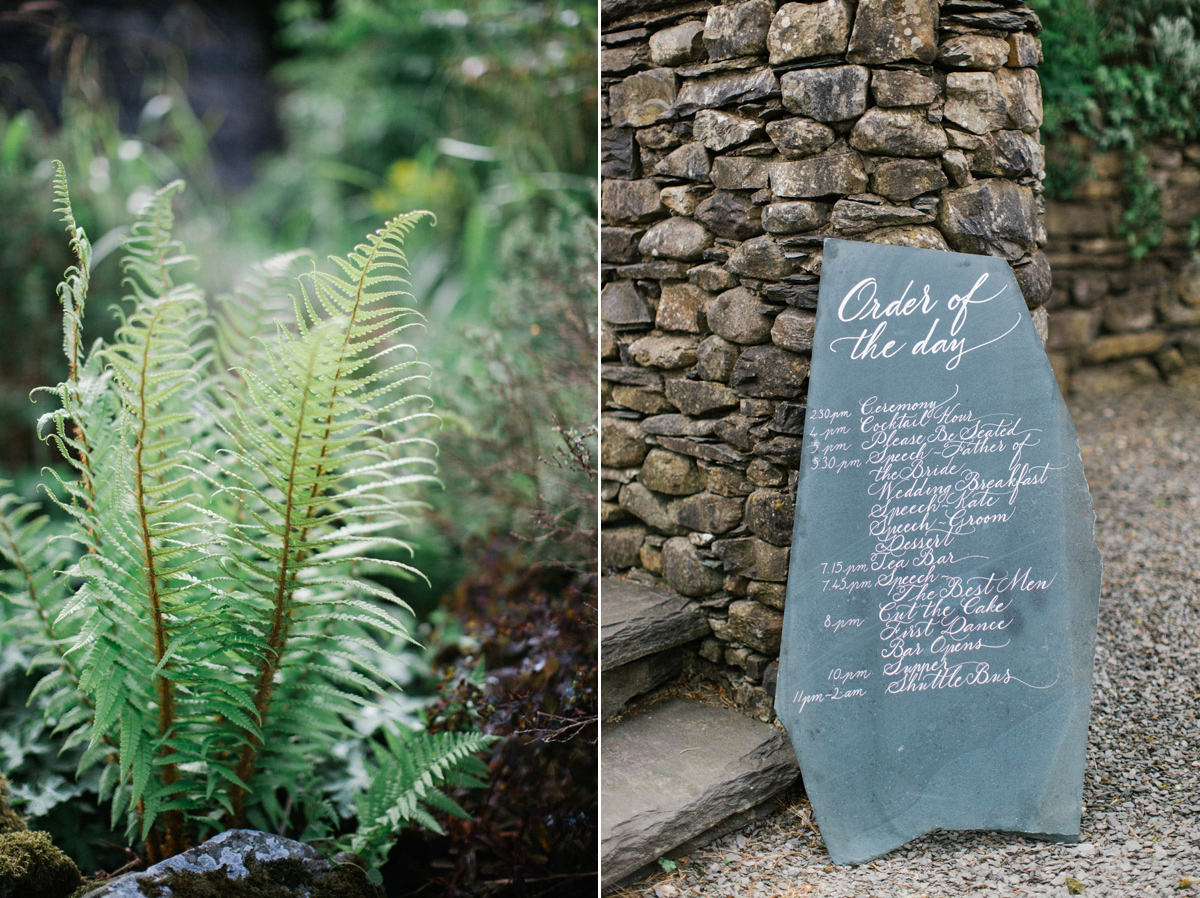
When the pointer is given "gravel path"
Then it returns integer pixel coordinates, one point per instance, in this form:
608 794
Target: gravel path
1141 821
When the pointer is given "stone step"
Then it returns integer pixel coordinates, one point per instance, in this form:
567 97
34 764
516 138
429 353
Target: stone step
678 774
640 627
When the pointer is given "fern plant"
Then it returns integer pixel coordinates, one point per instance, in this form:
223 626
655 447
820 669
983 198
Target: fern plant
208 620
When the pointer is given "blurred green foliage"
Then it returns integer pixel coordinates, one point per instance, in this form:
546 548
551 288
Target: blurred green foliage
1123 74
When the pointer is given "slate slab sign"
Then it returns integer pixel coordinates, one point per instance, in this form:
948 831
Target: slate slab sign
940 625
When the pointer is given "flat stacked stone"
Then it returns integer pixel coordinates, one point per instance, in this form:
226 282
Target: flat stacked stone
737 137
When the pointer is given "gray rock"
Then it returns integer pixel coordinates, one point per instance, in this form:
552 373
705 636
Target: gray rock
621 546
725 89
1025 50
731 215
917 237
1009 154
798 138
618 245
754 624
904 179
769 515
900 87
770 372
232 850
710 513
1022 92
657 351
700 397
738 29
1034 279
974 51
736 315
623 202
637 621
676 238
670 474
622 305
854 217
991 217
622 684
892 30
805 30
975 101
740 172
682 199
752 557
761 257
722 130
681 308
642 99
715 359
689 161
673 425
684 570
838 171
622 443
678 770
795 217
793 330
648 507
619 156
898 132
834 94
681 44
713 278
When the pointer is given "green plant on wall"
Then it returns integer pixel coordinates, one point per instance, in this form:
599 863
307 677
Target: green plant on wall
210 618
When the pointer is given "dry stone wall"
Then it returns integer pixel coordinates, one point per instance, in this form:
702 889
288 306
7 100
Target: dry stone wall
1114 320
737 137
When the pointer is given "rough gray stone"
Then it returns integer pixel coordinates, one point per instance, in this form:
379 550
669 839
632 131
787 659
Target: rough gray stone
619 156
670 474
622 443
754 624
710 513
713 278
622 305
838 171
974 51
892 30
739 172
649 508
761 257
793 330
722 130
681 308
618 245
685 572
1022 92
725 89
990 217
898 132
731 215
678 45
624 202
806 30
854 217
754 558
689 161
657 351
903 179
975 101
715 359
231 850
642 99
678 770
738 29
833 94
621 546
1009 154
676 238
1034 279
736 316
700 397
900 87
798 138
769 515
674 425
682 199
637 621
770 372
795 217
622 684
918 237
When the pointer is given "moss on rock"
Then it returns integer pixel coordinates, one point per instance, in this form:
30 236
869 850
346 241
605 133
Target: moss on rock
31 867
10 820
